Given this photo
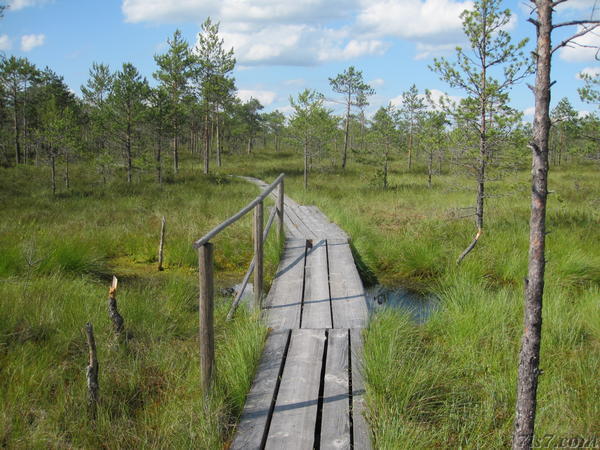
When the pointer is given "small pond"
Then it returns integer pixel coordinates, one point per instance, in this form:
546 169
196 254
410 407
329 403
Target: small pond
379 296
417 305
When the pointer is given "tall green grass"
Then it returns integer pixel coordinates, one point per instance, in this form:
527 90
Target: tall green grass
451 383
57 256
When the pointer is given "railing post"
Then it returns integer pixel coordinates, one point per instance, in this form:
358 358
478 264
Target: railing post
207 336
280 202
258 254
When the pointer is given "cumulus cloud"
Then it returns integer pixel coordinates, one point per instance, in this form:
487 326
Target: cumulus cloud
237 11
31 41
377 82
413 19
15 5
5 42
308 32
264 97
583 49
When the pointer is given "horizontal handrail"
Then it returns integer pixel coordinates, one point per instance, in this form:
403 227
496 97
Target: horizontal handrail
240 292
245 210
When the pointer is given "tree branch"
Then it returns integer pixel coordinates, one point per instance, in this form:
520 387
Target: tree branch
575 36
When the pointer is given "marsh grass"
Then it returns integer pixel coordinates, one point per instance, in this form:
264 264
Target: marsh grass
451 383
448 383
57 256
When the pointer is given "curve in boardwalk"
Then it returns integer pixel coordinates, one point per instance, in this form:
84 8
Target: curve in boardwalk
308 389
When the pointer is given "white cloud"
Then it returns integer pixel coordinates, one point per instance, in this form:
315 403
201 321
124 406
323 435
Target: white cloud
308 32
576 5
237 11
264 97
582 49
412 19
584 114
5 42
31 41
428 50
529 111
591 71
377 82
297 44
15 5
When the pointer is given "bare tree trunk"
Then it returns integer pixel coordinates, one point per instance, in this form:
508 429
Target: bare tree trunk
17 129
529 359
305 165
219 144
249 148
92 371
161 244
410 146
176 149
67 181
158 156
113 310
385 168
346 134
53 167
430 168
128 151
207 142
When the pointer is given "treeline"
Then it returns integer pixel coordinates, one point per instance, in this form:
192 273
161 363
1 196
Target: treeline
121 123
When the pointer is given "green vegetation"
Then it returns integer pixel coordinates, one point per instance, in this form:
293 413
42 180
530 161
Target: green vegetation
451 382
57 255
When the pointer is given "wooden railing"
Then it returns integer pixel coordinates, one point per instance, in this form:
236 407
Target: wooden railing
206 269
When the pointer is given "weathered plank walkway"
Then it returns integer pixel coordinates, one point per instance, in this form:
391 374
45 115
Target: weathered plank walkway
308 389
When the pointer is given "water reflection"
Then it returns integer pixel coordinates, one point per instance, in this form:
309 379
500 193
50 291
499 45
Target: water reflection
419 306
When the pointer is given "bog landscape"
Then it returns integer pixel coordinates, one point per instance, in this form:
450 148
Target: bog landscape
424 274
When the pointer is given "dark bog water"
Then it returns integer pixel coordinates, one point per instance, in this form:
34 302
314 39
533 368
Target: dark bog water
418 306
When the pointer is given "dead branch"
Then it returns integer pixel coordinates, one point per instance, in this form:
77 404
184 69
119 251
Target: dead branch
92 371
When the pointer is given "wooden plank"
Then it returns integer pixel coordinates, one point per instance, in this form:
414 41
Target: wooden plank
295 414
319 228
361 434
333 231
284 302
316 307
251 430
295 217
348 301
335 424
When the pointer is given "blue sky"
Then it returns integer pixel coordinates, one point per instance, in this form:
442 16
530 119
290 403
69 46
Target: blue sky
282 46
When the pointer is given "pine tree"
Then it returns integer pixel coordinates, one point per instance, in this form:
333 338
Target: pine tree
175 69
128 106
213 79
486 74
351 85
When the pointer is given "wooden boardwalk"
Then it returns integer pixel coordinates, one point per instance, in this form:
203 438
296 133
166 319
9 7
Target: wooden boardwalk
308 389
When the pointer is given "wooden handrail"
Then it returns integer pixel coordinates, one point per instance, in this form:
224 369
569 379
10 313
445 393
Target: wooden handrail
245 210
238 297
205 273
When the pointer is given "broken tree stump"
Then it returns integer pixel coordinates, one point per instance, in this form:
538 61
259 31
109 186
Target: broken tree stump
92 371
161 245
113 312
